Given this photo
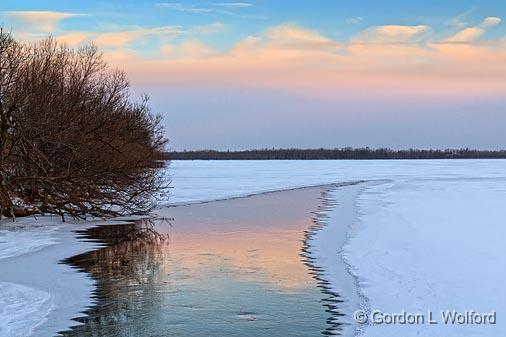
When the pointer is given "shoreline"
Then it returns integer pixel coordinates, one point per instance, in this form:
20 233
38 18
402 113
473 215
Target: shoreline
247 195
42 296
323 253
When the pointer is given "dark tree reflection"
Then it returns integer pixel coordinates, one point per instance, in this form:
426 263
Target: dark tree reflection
127 269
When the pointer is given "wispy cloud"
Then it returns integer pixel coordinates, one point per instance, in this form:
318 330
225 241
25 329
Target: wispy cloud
297 36
357 20
212 28
221 8
470 34
459 21
284 44
234 4
196 49
43 21
391 34
184 8
119 38
122 38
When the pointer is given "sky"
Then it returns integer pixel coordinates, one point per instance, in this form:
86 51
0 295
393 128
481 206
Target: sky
308 74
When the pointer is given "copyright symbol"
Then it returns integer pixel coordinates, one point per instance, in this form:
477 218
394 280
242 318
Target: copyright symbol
360 316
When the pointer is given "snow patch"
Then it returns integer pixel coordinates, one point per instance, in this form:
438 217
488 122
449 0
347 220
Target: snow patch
22 309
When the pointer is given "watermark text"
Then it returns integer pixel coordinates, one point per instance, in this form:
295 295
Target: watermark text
448 317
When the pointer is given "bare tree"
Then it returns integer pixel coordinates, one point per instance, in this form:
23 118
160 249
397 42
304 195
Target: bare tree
74 142
11 58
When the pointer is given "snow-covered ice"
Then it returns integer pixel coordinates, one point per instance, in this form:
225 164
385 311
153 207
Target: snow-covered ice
335 220
22 309
198 180
25 236
432 245
39 296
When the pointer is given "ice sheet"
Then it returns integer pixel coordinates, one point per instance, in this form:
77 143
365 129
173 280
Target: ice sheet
429 245
198 180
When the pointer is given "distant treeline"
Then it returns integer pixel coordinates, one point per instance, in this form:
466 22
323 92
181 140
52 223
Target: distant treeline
344 153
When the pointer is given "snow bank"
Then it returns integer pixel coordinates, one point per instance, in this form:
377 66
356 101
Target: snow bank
431 245
325 243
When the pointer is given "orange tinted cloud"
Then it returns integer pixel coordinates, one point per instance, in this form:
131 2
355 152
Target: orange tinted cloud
118 39
469 34
385 58
391 34
44 21
296 58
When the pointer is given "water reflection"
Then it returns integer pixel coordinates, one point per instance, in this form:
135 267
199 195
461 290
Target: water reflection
126 269
228 268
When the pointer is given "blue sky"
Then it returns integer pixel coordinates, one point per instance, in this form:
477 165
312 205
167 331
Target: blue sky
338 19
245 74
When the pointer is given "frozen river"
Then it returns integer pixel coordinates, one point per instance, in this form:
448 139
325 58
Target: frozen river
421 237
